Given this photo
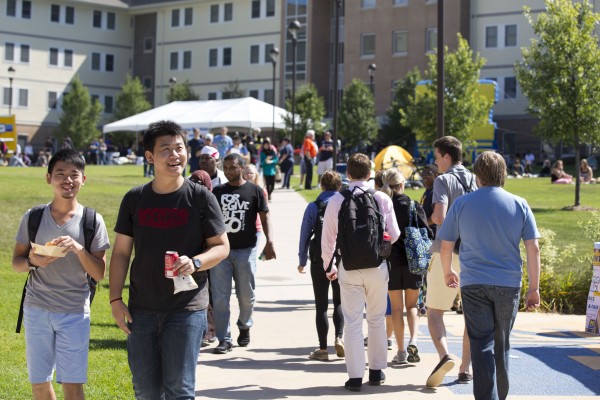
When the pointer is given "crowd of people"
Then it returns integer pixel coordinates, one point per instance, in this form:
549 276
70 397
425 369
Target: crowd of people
209 226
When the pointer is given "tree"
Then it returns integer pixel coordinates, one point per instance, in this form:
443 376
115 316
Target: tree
182 92
131 100
310 111
394 131
233 90
356 122
80 116
464 108
560 75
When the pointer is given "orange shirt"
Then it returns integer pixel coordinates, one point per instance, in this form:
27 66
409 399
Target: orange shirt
309 148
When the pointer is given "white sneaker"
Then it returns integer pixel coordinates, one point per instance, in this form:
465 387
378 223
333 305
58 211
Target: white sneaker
400 358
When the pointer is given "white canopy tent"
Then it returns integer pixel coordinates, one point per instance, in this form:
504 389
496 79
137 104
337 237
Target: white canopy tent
246 112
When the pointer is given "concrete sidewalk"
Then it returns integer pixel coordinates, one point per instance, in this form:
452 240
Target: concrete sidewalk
551 359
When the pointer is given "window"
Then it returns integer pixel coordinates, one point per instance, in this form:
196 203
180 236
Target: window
367 45
180 58
214 13
55 13
53 56
510 36
268 49
270 8
368 3
491 36
68 58
147 82
255 8
6 96
228 12
97 19
108 104
187 20
213 57
148 45
430 39
399 42
16 52
254 54
253 93
227 56
212 95
259 5
109 62
14 8
23 98
400 2
70 15
111 18
52 100
510 87
268 96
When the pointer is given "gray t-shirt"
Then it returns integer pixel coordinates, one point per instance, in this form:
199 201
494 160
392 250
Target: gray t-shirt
446 189
62 286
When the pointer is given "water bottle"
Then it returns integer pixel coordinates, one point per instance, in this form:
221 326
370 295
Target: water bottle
386 246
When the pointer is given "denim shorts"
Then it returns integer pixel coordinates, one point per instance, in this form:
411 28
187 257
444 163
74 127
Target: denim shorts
56 341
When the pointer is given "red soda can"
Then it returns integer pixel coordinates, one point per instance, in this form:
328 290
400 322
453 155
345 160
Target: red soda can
170 258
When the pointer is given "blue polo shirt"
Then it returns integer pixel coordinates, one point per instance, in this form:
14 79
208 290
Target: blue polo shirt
491 223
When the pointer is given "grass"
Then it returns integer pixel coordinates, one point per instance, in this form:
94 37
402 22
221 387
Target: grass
109 376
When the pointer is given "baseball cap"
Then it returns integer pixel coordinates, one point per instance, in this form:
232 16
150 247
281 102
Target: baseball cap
211 151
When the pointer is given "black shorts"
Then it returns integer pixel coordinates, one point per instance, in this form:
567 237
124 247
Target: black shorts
402 279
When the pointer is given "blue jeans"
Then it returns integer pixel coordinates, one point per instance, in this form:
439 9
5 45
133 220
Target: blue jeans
240 266
490 313
163 352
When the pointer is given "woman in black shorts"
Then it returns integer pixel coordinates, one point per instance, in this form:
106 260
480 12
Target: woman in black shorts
403 286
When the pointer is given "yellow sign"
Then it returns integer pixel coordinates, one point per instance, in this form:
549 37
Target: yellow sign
8 131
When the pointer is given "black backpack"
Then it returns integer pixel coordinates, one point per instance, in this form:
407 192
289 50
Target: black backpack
314 247
360 230
89 229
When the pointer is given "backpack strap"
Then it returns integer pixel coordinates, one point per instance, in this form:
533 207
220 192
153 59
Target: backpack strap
89 230
467 189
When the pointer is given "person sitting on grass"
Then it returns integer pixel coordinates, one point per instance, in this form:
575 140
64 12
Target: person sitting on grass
558 175
586 174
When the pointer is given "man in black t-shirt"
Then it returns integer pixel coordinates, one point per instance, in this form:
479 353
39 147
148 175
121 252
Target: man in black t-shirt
325 155
241 201
194 147
170 213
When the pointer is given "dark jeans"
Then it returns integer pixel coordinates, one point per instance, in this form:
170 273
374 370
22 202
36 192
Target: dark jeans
287 168
309 173
162 350
269 184
321 290
490 313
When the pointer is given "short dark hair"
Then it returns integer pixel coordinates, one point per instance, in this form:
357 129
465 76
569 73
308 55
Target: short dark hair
331 181
68 156
234 157
159 129
359 166
451 146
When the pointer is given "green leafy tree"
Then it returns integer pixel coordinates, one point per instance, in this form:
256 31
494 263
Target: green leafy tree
464 108
560 75
394 131
357 125
182 92
80 116
310 111
233 90
131 100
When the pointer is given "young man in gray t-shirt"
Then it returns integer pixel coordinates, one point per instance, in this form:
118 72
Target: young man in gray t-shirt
453 183
57 303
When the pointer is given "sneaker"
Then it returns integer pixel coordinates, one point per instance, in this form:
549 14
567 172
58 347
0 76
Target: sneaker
440 370
354 384
224 347
413 354
390 344
400 358
208 342
339 347
464 377
376 377
244 337
319 355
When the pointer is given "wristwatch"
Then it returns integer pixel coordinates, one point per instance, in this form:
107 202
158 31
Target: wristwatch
197 264
31 266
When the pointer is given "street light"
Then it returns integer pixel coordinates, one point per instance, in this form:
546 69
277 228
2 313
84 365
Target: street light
372 69
11 71
440 69
336 68
274 53
293 29
172 82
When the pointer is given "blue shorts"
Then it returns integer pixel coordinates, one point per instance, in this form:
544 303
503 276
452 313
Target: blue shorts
56 341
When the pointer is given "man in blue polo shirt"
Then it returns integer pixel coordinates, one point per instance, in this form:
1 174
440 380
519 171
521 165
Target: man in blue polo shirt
491 223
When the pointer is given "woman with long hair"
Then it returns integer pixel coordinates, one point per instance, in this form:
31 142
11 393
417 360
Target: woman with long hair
558 174
586 174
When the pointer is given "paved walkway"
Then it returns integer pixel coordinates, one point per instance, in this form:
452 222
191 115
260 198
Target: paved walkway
551 359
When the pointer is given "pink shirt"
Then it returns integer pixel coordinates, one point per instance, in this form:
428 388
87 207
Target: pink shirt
330 221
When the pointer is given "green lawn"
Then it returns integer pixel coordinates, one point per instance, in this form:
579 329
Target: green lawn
109 376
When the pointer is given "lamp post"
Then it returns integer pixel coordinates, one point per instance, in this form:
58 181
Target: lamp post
440 69
372 69
11 71
274 53
293 29
172 82
336 58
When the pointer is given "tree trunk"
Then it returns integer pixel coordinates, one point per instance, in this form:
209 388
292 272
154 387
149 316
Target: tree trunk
577 162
